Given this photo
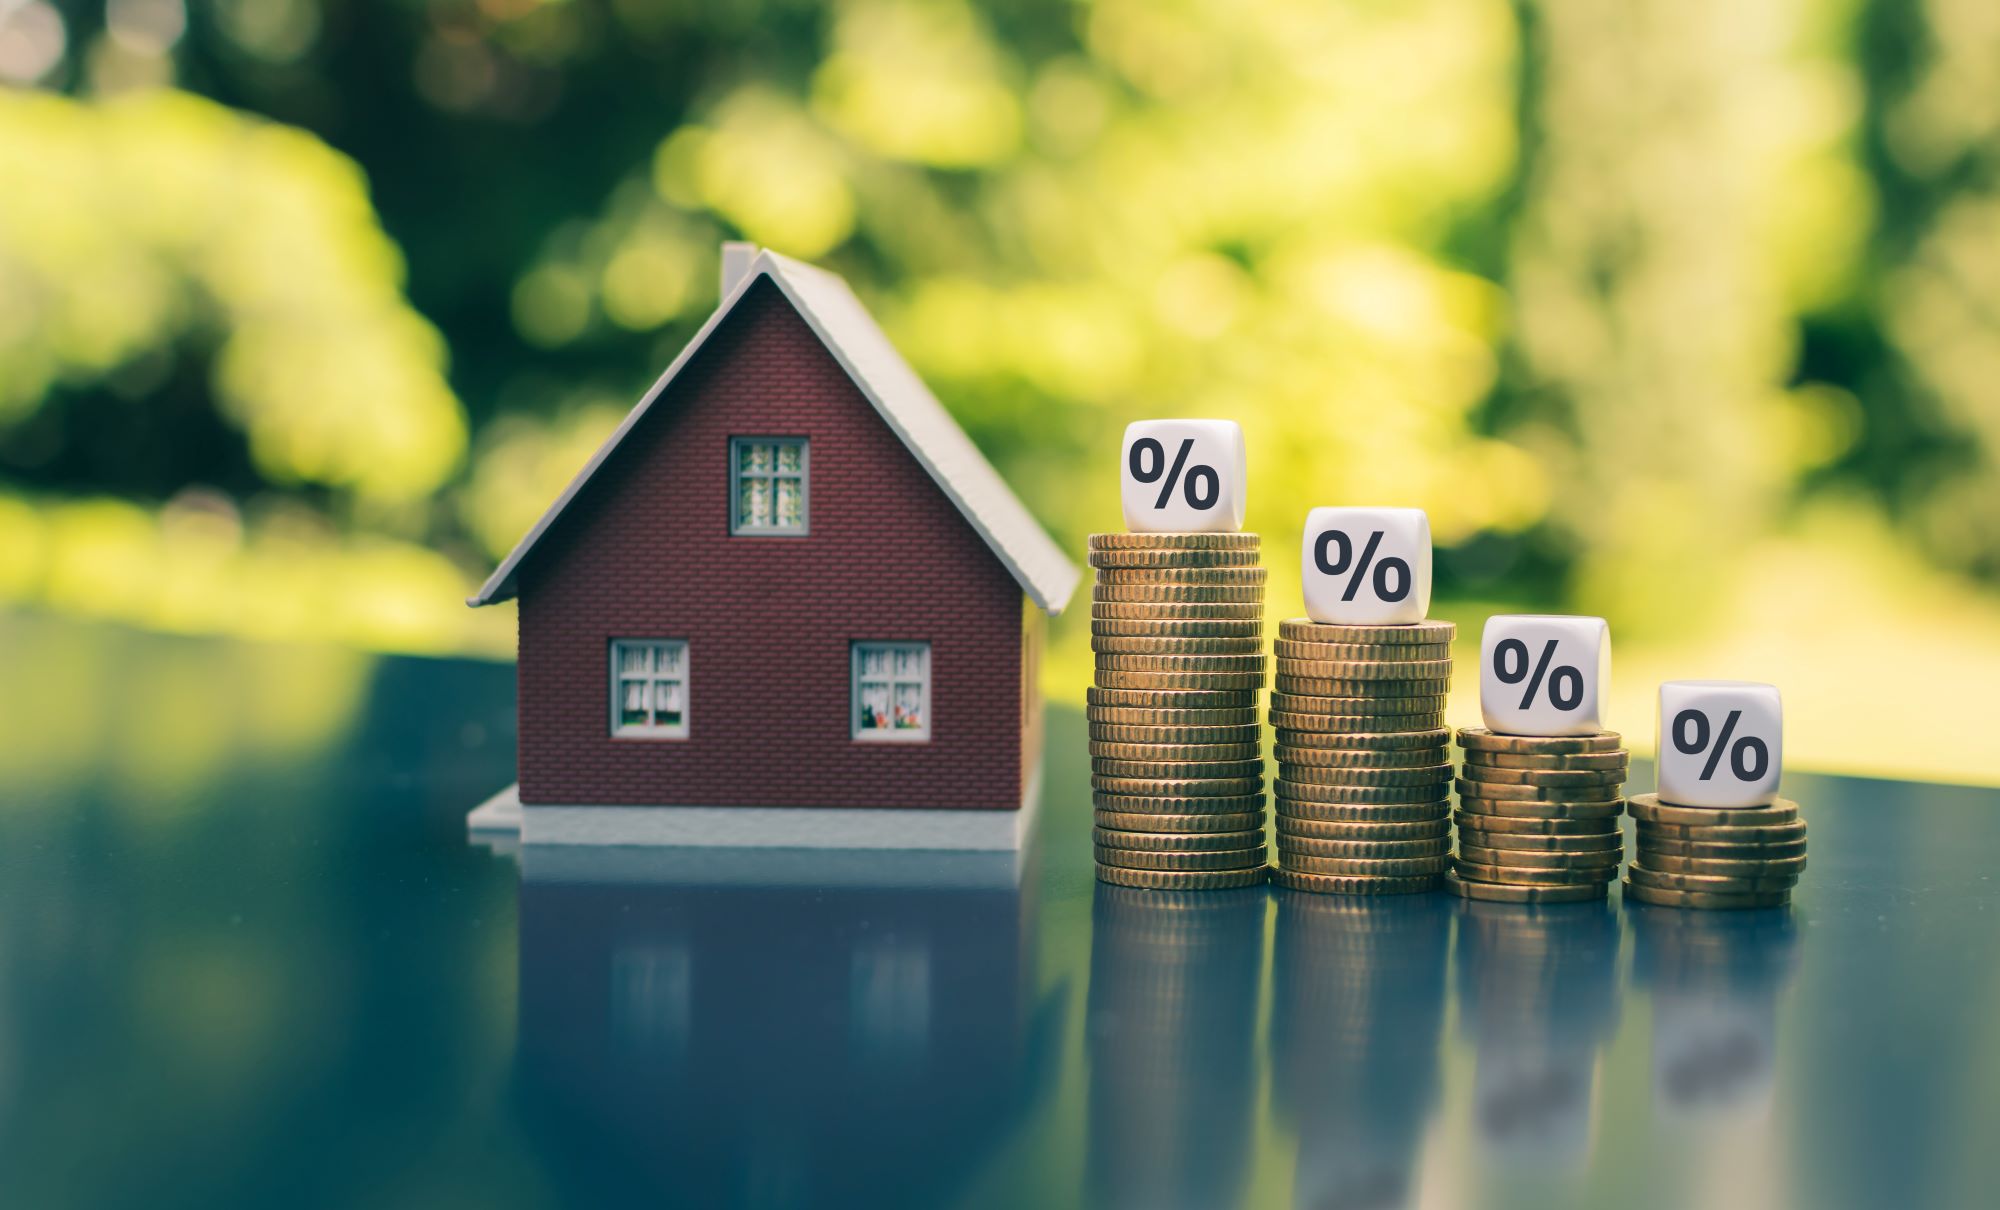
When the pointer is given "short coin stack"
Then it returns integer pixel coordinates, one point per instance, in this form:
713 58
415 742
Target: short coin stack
1176 756
1716 857
1538 816
1364 771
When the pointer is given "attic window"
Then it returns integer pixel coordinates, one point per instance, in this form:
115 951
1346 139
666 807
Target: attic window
767 485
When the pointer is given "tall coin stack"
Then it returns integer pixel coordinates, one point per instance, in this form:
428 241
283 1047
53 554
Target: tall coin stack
1538 816
1176 761
1364 771
1716 857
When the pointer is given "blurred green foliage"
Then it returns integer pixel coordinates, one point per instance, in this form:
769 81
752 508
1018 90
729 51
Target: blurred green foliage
308 308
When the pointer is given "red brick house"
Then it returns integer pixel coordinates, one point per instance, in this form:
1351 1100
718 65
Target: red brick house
788 601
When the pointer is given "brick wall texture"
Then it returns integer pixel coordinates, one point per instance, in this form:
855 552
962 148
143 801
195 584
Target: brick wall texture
645 552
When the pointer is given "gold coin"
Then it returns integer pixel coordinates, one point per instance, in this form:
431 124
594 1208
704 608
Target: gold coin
1706 851
1156 753
1354 724
1480 739
1661 897
1408 694
1360 758
1430 739
1710 883
1148 859
1516 842
1370 830
1152 645
1181 880
1649 809
1364 653
1240 733
1165 557
1584 779
1173 699
1178 628
1217 821
1511 808
1177 842
1177 770
1777 833
1538 859
1113 678
1494 892
1618 759
1428 775
1340 884
1163 787
1253 663
1724 868
1468 871
1316 846
1511 793
1413 672
1224 605
1529 827
1363 867
1292 812
1299 791
1205 577
1305 630
1177 540
1135 804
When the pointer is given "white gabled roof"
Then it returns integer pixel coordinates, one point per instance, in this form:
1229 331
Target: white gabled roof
904 403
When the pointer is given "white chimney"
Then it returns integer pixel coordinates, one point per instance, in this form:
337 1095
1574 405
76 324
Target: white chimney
736 258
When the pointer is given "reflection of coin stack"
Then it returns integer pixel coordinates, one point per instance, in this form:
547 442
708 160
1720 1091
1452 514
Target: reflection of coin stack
1715 981
1175 753
1716 857
1174 983
1538 816
1355 1026
1539 990
1363 770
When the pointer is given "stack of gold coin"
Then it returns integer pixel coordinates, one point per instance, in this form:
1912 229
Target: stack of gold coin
1176 753
1538 816
1363 763
1716 857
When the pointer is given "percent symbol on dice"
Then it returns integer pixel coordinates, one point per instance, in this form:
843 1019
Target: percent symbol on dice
1512 665
1388 568
1749 756
1148 447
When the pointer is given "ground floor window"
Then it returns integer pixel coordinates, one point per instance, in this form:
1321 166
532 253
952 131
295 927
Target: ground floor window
649 688
892 691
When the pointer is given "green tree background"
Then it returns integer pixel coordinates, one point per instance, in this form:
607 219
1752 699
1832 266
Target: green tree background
1682 313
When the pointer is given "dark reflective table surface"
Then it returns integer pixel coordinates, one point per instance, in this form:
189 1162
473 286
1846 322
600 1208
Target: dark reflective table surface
247 957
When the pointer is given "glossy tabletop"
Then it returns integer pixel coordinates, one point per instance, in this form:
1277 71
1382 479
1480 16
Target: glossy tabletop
248 957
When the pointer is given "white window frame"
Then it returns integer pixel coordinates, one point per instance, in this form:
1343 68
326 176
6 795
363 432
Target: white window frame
914 735
624 730
737 475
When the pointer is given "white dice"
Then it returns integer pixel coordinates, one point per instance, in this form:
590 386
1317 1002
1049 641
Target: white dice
1183 476
1367 566
1544 674
1720 743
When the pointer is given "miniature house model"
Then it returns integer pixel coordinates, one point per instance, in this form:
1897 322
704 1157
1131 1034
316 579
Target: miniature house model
787 602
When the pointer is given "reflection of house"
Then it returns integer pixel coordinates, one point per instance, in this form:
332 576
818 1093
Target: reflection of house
713 1028
788 580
